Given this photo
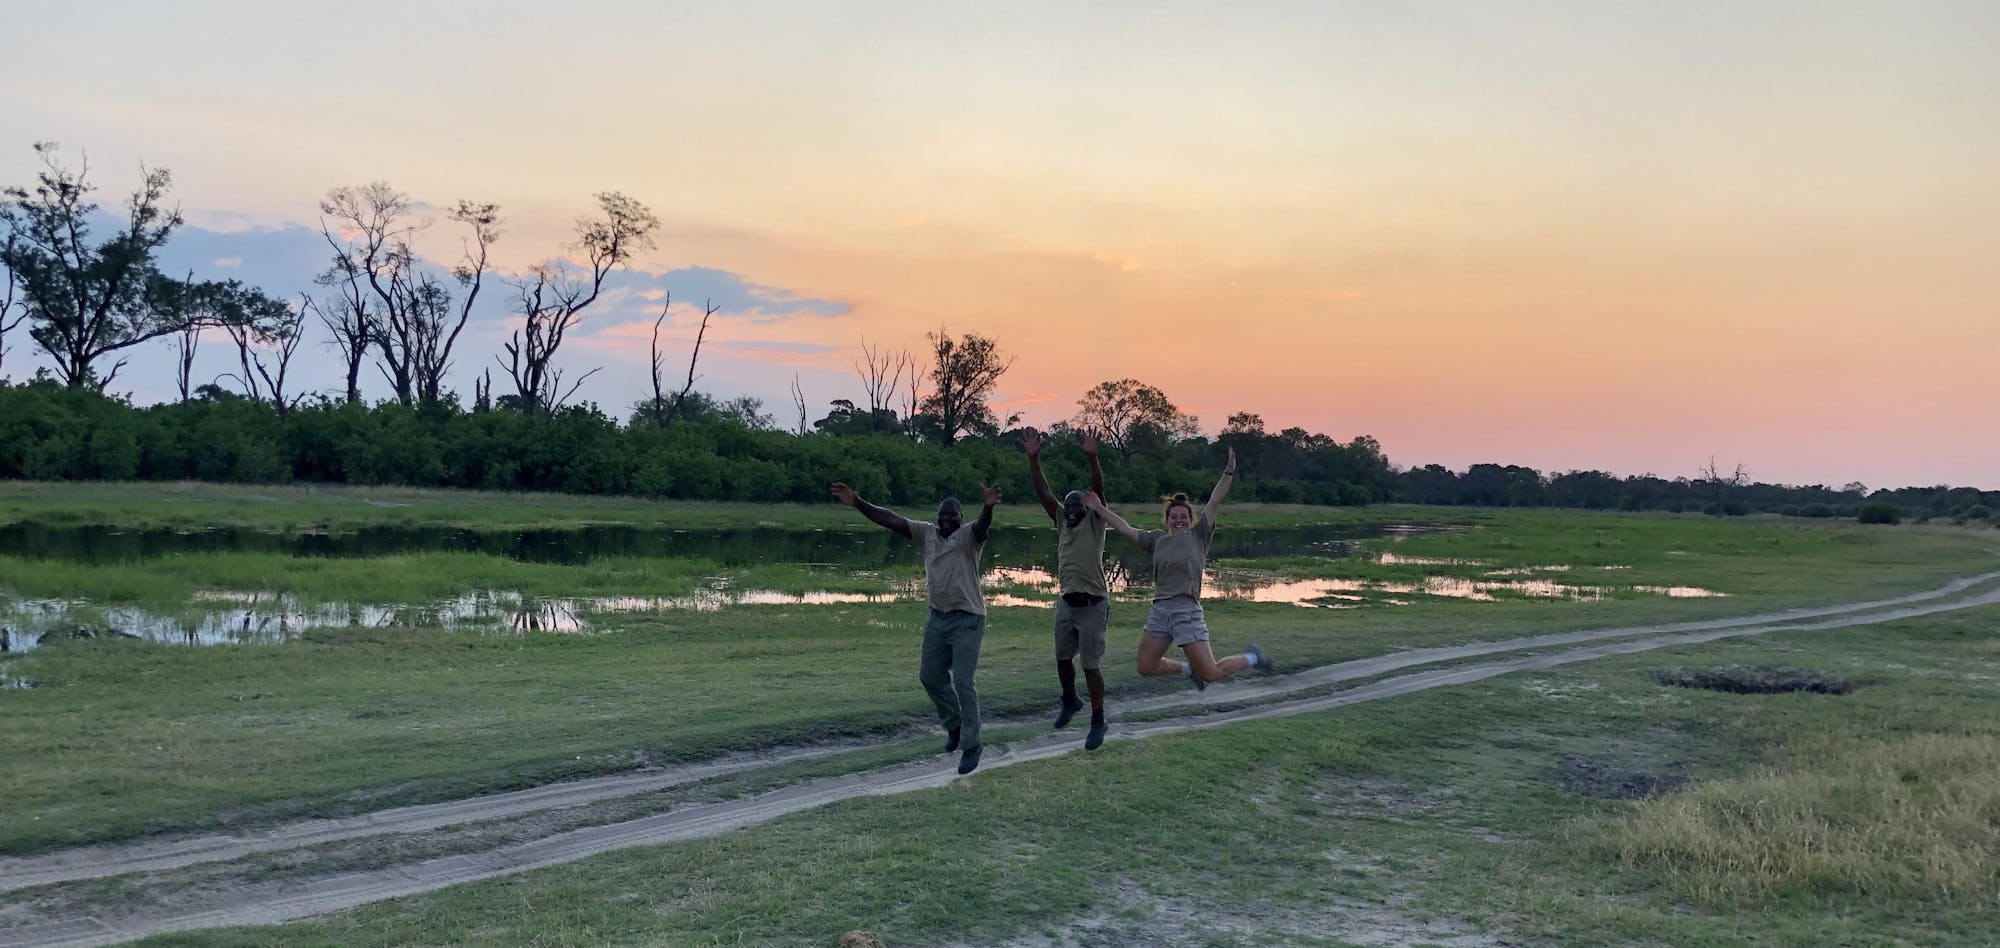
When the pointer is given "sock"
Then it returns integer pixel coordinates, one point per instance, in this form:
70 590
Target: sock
1066 673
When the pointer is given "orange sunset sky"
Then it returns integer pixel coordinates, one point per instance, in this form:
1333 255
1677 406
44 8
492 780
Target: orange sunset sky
1569 235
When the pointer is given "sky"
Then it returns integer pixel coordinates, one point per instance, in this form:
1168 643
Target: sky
1570 235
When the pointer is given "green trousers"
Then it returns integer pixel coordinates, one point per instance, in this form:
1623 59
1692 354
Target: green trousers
951 655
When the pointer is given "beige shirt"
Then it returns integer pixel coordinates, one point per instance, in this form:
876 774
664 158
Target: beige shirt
951 567
1080 555
1178 559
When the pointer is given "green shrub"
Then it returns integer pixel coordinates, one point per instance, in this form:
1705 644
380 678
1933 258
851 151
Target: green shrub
1879 512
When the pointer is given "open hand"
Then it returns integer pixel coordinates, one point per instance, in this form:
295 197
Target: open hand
1092 501
1090 441
991 495
1229 467
1032 441
845 494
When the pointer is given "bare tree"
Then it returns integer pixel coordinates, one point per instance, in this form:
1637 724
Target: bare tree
911 400
963 373
416 319
708 309
664 410
277 327
553 298
799 402
1721 485
369 233
9 321
881 374
659 405
185 343
345 316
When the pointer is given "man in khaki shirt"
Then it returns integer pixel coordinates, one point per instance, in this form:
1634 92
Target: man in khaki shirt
1083 599
957 619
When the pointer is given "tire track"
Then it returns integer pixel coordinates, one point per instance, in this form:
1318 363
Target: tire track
349 890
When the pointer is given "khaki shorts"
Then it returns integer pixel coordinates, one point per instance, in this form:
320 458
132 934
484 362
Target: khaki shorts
1178 620
1080 631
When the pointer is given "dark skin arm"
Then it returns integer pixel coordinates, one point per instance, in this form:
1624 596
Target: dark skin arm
881 515
985 521
1096 470
1033 442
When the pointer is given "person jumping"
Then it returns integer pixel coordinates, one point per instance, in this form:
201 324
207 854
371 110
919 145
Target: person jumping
1180 554
957 619
1083 599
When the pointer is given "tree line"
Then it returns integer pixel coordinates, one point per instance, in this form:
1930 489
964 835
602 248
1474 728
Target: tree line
1711 491
715 450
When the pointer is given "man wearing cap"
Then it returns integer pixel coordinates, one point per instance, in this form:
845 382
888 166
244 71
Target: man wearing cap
1083 599
957 619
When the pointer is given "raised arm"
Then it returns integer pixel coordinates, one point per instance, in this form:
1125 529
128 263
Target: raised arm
1033 442
882 515
1096 504
985 522
1096 470
1222 486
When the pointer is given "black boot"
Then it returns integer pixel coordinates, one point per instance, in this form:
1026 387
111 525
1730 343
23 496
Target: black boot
969 761
1095 739
951 740
1071 704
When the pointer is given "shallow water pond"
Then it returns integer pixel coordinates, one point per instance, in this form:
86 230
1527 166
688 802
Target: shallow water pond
1021 561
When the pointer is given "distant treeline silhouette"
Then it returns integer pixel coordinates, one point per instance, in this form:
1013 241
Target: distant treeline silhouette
718 451
1496 485
730 451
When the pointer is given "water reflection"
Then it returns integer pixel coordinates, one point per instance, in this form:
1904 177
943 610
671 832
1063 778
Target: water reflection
1022 576
269 617
1680 592
1258 587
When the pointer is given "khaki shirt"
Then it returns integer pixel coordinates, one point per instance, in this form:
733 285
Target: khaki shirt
1178 559
1080 556
951 568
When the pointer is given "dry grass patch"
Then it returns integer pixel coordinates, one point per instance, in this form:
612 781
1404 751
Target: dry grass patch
1917 817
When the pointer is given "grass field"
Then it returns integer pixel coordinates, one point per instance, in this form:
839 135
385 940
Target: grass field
1462 816
1468 810
195 505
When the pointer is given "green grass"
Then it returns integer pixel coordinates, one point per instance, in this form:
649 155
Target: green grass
1910 817
1449 812
130 738
299 507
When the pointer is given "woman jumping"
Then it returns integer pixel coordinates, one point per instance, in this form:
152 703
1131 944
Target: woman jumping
1180 554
